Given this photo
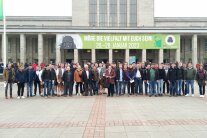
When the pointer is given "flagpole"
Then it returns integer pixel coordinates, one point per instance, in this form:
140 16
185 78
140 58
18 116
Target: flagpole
4 35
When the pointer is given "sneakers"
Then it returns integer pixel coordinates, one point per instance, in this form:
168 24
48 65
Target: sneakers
192 95
187 95
201 96
18 97
23 97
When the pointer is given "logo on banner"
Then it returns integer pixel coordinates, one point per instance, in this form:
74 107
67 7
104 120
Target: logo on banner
170 40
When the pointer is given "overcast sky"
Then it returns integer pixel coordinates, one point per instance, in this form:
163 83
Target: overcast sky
163 8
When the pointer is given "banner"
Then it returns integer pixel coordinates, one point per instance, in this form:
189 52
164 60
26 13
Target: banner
1 10
118 41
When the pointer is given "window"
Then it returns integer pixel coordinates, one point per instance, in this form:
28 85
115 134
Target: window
34 45
133 13
93 12
103 13
51 44
9 45
123 13
18 45
113 13
205 45
190 48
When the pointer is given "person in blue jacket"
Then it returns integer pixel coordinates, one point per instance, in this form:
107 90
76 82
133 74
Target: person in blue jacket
20 78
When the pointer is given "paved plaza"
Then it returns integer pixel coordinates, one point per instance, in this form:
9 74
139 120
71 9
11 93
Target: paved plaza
101 116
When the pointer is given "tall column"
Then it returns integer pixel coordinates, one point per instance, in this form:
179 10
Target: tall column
144 55
93 55
76 56
160 60
22 48
4 49
177 55
40 49
58 52
127 55
194 50
110 55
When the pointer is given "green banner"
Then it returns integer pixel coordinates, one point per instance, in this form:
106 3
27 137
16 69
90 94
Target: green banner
119 41
1 10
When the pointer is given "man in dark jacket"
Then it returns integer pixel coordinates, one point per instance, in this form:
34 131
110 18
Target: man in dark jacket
120 79
68 79
180 77
30 74
46 79
20 78
52 80
37 79
86 79
138 80
172 77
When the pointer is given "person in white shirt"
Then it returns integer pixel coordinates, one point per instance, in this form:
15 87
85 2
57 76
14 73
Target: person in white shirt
37 80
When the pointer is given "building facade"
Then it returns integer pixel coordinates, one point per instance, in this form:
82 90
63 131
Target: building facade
34 39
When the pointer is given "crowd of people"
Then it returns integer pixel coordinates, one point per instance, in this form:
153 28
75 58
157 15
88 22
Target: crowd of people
174 79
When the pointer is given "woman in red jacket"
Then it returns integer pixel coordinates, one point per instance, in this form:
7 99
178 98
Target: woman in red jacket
110 76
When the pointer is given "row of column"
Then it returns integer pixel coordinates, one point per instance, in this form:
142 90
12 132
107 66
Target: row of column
23 49
93 52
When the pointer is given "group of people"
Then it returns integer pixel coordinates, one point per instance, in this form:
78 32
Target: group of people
173 79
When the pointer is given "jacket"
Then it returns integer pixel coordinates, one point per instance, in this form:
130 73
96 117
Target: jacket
95 76
161 74
156 75
78 75
52 74
20 76
6 74
30 75
112 76
172 74
68 76
180 74
84 77
45 75
190 74
118 74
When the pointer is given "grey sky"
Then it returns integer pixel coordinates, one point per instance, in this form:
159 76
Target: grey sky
163 8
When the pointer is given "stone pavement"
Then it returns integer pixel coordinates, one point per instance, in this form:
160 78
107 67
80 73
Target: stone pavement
100 116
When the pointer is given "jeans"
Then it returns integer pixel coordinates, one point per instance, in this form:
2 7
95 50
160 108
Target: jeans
126 84
29 89
52 87
173 87
120 85
46 87
6 88
146 86
94 87
152 85
190 83
160 86
179 86
138 85
201 87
